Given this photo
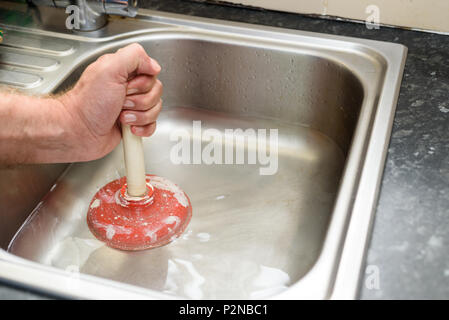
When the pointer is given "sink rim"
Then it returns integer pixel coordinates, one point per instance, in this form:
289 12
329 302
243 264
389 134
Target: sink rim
352 252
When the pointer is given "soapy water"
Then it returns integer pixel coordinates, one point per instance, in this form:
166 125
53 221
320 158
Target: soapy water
185 276
242 242
192 266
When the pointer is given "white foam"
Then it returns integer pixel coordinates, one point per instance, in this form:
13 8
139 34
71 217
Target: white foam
96 203
110 232
173 219
269 281
192 288
203 236
167 185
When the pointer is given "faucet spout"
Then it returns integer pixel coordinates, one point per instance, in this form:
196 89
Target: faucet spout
93 13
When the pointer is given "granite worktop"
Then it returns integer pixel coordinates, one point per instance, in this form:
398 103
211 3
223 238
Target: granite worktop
410 240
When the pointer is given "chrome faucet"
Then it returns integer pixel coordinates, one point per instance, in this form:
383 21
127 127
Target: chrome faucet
93 13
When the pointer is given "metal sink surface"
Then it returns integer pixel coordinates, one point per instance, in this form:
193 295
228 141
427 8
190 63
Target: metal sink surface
298 233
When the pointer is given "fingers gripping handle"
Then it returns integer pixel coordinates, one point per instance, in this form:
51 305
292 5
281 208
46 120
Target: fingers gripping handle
134 163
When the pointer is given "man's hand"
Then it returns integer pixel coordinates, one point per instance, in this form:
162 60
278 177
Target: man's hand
84 123
119 86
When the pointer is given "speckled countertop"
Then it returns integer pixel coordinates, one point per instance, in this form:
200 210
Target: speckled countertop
410 241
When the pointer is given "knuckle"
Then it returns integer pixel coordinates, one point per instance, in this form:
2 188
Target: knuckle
148 100
134 48
138 48
149 117
147 82
160 85
105 58
102 64
150 129
153 127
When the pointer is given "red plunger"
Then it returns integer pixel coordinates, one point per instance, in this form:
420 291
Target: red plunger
140 211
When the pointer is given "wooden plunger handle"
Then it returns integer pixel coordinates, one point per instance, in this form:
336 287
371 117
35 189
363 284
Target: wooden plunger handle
134 163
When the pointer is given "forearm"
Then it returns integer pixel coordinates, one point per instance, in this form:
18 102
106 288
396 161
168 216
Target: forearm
32 130
84 123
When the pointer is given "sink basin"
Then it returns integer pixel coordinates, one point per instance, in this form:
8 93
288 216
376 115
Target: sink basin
299 232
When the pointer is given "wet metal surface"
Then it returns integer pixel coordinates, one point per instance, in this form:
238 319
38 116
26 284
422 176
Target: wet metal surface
248 237
300 232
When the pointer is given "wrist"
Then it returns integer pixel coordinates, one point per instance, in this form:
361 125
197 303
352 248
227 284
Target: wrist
52 137
73 135
79 138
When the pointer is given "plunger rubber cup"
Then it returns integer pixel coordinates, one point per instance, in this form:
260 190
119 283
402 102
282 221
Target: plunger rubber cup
138 223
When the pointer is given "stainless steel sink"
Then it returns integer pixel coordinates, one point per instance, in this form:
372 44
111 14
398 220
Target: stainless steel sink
300 233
